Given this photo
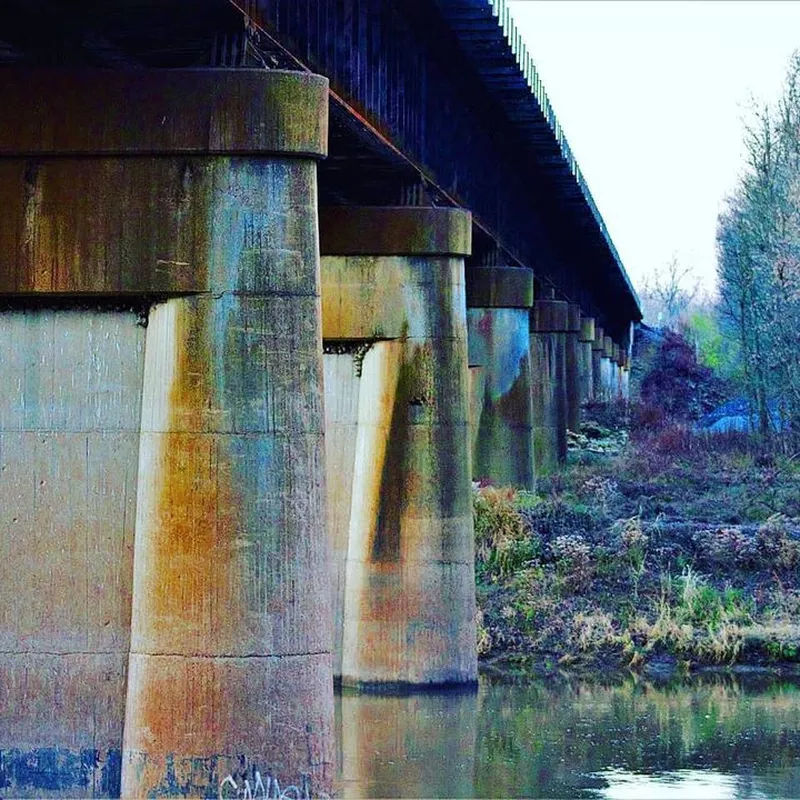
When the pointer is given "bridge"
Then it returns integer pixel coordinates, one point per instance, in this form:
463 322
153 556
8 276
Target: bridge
279 280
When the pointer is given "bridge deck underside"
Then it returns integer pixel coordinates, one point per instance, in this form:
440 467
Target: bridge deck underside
428 97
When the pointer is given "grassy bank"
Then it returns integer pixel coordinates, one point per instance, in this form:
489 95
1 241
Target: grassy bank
668 550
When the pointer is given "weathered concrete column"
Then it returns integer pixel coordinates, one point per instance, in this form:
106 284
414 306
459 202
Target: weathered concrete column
572 369
626 378
585 371
231 626
393 296
616 363
499 300
597 364
607 367
627 353
198 188
548 364
613 381
70 389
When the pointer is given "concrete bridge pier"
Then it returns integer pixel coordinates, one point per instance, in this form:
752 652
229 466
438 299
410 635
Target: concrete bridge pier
393 300
499 300
607 367
548 363
572 367
627 351
166 486
619 360
597 364
626 378
614 372
585 370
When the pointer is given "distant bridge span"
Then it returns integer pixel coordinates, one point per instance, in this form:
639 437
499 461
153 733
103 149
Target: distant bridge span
249 250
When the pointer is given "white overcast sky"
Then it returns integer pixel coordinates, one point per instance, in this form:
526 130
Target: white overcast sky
652 97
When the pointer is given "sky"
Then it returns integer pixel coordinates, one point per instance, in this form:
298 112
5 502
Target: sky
652 96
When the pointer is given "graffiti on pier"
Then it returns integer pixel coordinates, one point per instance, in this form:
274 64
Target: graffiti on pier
256 788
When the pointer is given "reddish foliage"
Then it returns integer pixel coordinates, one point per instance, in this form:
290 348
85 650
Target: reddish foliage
677 384
647 417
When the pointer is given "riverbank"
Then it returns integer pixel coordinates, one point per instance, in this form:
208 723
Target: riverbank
665 552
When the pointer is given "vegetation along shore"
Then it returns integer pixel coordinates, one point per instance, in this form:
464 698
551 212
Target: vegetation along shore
659 548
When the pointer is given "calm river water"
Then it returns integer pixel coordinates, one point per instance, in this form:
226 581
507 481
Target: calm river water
719 738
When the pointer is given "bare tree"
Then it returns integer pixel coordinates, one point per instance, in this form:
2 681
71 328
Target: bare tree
666 296
758 241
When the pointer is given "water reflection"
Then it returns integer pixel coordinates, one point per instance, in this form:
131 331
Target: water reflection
719 738
417 745
678 785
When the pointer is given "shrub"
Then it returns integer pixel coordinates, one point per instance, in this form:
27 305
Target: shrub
727 547
647 417
484 639
601 492
632 548
556 517
674 440
677 384
503 545
775 548
572 557
594 630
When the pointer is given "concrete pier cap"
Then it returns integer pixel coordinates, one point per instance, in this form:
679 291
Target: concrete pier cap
178 184
550 316
587 333
573 318
499 300
395 230
125 144
500 287
608 347
599 339
394 288
84 111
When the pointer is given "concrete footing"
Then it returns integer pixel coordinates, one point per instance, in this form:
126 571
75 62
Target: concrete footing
549 322
499 300
197 188
394 298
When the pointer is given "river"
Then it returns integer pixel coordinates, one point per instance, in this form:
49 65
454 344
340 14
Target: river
719 737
